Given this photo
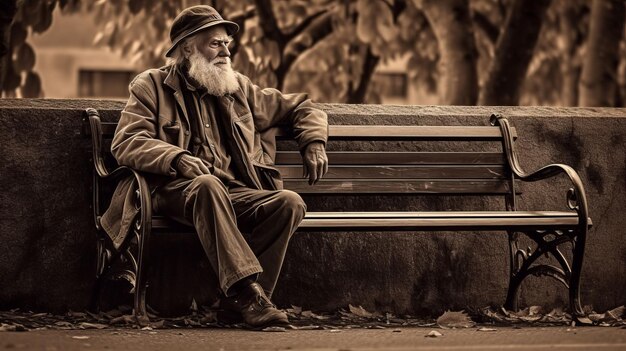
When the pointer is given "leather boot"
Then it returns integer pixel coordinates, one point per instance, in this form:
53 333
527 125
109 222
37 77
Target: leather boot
253 307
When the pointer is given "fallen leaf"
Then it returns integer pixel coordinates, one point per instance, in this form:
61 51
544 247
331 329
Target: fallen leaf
85 325
451 319
335 331
616 313
530 318
309 327
433 334
80 337
12 327
124 319
485 329
360 311
295 309
76 314
534 310
596 317
309 314
273 329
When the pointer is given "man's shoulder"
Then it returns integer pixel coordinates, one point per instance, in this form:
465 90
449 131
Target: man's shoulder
243 80
151 76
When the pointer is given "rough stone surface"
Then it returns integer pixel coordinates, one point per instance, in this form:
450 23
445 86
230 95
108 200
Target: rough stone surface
47 239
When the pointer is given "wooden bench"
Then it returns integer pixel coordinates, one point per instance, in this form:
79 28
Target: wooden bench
494 173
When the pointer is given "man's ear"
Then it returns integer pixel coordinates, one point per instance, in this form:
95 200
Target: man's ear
187 48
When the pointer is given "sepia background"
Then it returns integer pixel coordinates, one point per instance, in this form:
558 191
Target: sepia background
453 52
564 61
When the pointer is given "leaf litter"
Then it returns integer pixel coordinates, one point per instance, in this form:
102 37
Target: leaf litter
354 316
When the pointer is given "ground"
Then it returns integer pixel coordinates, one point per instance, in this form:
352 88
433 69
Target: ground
352 328
412 338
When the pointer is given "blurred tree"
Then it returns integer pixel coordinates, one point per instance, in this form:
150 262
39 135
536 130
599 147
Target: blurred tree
571 13
513 53
598 84
8 9
451 22
498 51
17 57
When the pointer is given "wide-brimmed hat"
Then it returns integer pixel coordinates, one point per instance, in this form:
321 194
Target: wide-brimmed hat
194 19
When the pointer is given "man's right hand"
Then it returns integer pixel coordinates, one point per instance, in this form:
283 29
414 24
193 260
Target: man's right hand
190 167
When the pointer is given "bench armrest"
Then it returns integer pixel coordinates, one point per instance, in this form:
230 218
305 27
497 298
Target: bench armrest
95 127
576 198
143 200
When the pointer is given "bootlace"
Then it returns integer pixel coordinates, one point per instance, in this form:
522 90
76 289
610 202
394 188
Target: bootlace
264 301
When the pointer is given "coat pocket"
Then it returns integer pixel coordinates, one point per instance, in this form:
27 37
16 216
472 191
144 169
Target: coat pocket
172 128
269 176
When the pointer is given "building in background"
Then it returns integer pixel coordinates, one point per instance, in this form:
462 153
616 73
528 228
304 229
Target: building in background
70 66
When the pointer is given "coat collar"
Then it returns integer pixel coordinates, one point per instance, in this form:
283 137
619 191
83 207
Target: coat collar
173 80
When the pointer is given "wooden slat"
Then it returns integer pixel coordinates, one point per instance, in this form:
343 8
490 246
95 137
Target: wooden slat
108 129
457 220
425 222
398 186
402 172
352 132
398 158
389 132
442 214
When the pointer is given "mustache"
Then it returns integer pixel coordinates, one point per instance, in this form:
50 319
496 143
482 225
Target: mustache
220 60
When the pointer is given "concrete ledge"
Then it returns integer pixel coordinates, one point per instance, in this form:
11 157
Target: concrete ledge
47 238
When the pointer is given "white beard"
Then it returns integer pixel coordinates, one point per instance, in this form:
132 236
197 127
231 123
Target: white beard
218 80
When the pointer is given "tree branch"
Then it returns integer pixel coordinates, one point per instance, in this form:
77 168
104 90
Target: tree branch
268 22
397 8
242 16
514 50
320 28
8 9
303 25
357 96
491 30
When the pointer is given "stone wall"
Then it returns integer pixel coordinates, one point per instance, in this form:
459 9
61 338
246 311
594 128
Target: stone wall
47 239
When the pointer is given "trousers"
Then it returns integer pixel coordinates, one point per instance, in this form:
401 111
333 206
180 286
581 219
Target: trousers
244 232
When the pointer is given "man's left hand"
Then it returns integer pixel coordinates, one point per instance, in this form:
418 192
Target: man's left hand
315 161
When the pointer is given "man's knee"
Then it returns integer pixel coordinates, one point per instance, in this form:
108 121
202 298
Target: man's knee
206 182
206 185
292 201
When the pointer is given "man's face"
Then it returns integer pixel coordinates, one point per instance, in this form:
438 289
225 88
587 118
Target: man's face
209 62
213 44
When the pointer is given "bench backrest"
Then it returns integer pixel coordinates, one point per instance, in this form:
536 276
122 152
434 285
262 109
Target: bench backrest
479 166
413 172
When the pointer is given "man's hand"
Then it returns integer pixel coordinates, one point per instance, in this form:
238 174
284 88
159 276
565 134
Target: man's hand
315 162
191 167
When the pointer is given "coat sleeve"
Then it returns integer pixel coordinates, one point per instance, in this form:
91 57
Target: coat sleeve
271 108
136 143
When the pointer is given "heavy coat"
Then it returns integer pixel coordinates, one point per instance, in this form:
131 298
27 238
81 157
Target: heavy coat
154 129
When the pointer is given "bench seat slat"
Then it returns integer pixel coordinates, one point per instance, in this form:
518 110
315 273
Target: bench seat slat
443 214
398 158
402 172
457 220
387 224
399 186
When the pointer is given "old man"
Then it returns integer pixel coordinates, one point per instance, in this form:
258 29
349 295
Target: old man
198 130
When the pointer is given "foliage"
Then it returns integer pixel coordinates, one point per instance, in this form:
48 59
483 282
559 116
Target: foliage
330 48
32 16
